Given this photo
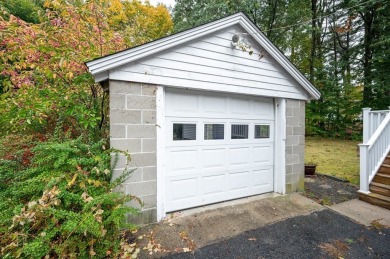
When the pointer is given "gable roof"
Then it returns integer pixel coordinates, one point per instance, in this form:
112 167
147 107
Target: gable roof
100 67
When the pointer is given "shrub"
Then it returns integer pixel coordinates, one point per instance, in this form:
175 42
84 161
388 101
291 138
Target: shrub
62 204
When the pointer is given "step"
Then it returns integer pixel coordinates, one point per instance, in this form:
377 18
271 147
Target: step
387 160
382 178
385 168
380 188
376 199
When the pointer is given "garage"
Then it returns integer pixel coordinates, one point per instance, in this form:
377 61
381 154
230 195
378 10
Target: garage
208 115
218 147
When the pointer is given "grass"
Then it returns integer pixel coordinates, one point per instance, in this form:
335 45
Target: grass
334 157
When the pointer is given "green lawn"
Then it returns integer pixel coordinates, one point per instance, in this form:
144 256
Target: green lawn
334 157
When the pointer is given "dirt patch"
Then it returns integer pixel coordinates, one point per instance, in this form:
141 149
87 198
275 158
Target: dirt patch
328 191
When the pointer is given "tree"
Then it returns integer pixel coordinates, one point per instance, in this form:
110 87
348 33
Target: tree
27 10
44 79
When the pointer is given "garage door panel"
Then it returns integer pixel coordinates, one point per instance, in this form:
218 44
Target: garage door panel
185 188
262 177
213 158
181 160
262 109
262 155
213 105
239 106
184 103
213 184
238 155
238 180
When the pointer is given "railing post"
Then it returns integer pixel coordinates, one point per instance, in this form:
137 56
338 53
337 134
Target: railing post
366 125
364 169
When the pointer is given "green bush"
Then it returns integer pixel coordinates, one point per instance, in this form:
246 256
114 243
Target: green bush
60 201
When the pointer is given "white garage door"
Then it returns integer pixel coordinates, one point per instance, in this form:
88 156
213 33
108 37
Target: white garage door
218 147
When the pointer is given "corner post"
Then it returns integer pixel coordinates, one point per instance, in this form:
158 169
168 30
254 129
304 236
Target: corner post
366 125
364 169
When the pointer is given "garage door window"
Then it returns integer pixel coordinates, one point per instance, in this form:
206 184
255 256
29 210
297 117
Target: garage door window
261 131
214 131
239 131
183 131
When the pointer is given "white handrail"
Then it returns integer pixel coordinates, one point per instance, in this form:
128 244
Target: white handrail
374 150
371 121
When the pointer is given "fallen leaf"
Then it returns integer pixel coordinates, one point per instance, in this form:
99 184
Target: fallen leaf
252 239
186 250
170 224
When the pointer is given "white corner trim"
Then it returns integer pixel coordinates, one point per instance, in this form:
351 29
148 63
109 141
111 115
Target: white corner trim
280 146
160 127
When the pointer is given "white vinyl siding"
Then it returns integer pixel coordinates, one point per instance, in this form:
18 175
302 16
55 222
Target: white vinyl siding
212 64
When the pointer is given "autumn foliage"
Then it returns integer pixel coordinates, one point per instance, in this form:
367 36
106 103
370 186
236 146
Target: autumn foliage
43 77
56 193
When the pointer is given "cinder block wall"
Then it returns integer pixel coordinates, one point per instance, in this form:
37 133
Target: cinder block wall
295 145
133 129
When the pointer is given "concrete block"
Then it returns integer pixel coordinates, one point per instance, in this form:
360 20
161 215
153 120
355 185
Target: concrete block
125 116
289 169
289 130
143 159
140 102
292 140
150 201
149 145
298 130
289 188
117 101
292 159
134 204
118 161
148 117
301 185
302 104
292 178
289 111
299 150
296 111
142 188
302 120
149 90
117 131
149 173
141 131
292 121
299 168
123 87
135 175
292 103
301 140
129 145
145 217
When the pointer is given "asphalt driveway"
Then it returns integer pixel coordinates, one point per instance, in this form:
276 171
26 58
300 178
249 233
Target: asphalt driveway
270 226
322 234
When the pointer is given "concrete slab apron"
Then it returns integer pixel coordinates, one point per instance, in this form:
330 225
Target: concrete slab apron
363 212
210 226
